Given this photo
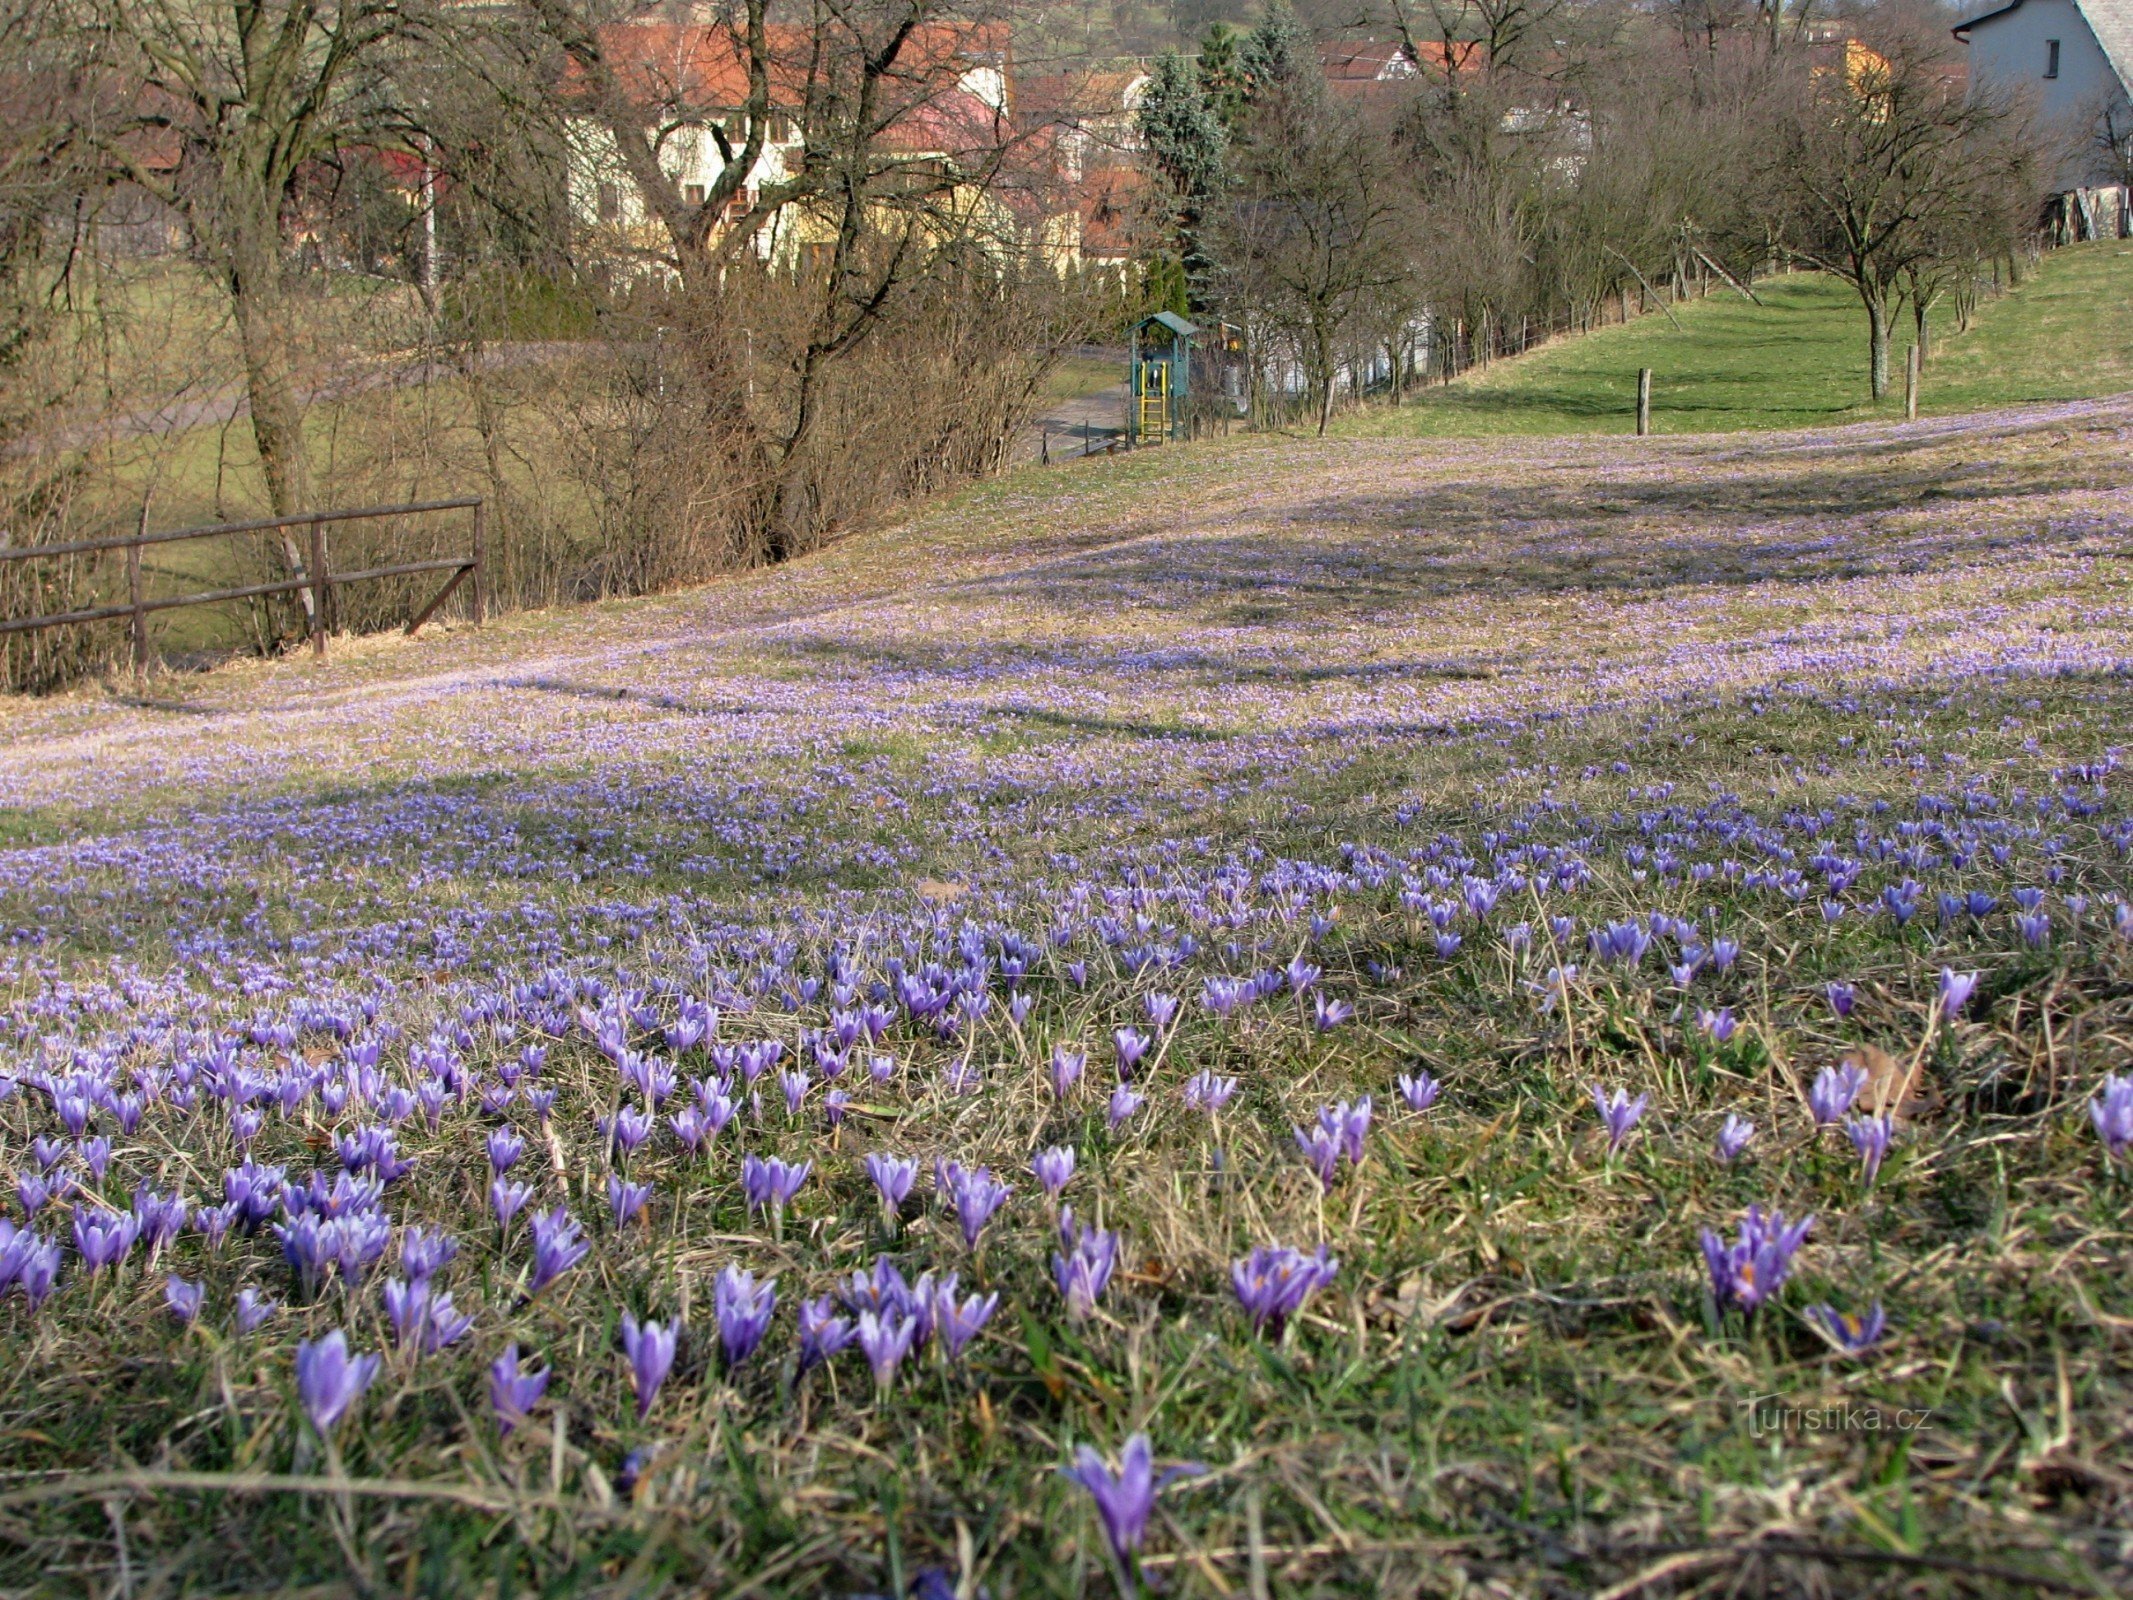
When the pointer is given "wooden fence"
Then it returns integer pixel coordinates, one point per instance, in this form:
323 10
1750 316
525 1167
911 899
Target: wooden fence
314 578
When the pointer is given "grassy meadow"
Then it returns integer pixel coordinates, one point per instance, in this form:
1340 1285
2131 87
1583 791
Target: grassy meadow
1485 870
1797 360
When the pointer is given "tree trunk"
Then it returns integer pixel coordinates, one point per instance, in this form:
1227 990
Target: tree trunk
260 311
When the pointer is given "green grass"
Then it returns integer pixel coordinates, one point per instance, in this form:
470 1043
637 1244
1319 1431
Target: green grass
1160 681
1797 360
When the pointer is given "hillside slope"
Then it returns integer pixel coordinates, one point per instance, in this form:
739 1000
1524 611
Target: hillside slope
1797 360
1291 840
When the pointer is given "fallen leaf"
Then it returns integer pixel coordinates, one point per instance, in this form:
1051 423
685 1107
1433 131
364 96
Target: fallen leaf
1891 1087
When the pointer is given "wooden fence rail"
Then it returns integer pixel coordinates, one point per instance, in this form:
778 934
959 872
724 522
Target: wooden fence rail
315 577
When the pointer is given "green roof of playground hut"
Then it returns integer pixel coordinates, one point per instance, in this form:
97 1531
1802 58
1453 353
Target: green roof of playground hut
1171 320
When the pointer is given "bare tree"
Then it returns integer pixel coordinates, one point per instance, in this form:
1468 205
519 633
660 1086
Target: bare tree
1315 237
223 105
892 160
1884 159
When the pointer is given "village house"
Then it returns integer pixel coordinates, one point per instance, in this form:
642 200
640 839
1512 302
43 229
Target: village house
2073 61
954 94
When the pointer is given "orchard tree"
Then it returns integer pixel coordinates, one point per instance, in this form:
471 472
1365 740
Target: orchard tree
1887 163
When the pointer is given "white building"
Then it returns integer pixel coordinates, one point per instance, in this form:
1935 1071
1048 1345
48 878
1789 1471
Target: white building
2073 59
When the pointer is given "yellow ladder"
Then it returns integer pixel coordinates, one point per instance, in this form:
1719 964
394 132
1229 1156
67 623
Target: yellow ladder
1155 401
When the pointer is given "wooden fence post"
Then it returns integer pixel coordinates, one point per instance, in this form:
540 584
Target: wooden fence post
1910 384
318 588
134 598
1644 401
480 553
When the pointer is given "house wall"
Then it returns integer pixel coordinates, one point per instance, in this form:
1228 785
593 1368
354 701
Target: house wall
2011 51
602 195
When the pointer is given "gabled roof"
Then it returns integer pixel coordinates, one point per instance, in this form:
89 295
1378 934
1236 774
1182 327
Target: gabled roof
2110 20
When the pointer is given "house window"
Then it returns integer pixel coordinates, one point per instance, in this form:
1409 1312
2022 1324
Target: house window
693 193
2051 58
609 201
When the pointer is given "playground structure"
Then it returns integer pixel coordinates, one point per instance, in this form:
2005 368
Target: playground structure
1182 378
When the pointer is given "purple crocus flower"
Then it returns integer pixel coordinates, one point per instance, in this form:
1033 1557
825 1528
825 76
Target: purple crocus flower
1125 1498
886 1339
1054 1168
1162 1010
1274 1281
1204 1091
1083 1266
957 1324
424 1253
1619 1113
1349 1123
507 1199
1833 1091
445 1326
1419 1091
1321 1147
407 1308
37 1268
1733 1137
893 1177
1326 1015
1719 1024
881 1290
505 1148
1841 996
1955 992
1124 1102
625 1199
557 1247
976 1195
103 1238
329 1380
183 1298
627 1129
1749 1272
744 1311
95 1155
823 1332
771 1183
1067 1068
213 1223
34 1191
2112 1113
160 1216
690 1128
1870 1136
253 1309
513 1393
650 1347
1847 1330
1131 1045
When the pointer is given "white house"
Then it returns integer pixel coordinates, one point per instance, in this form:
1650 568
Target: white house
2074 60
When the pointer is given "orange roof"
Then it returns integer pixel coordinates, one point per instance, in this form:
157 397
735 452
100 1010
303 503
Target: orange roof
695 66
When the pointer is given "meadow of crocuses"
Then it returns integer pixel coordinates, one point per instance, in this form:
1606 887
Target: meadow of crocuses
1517 1018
